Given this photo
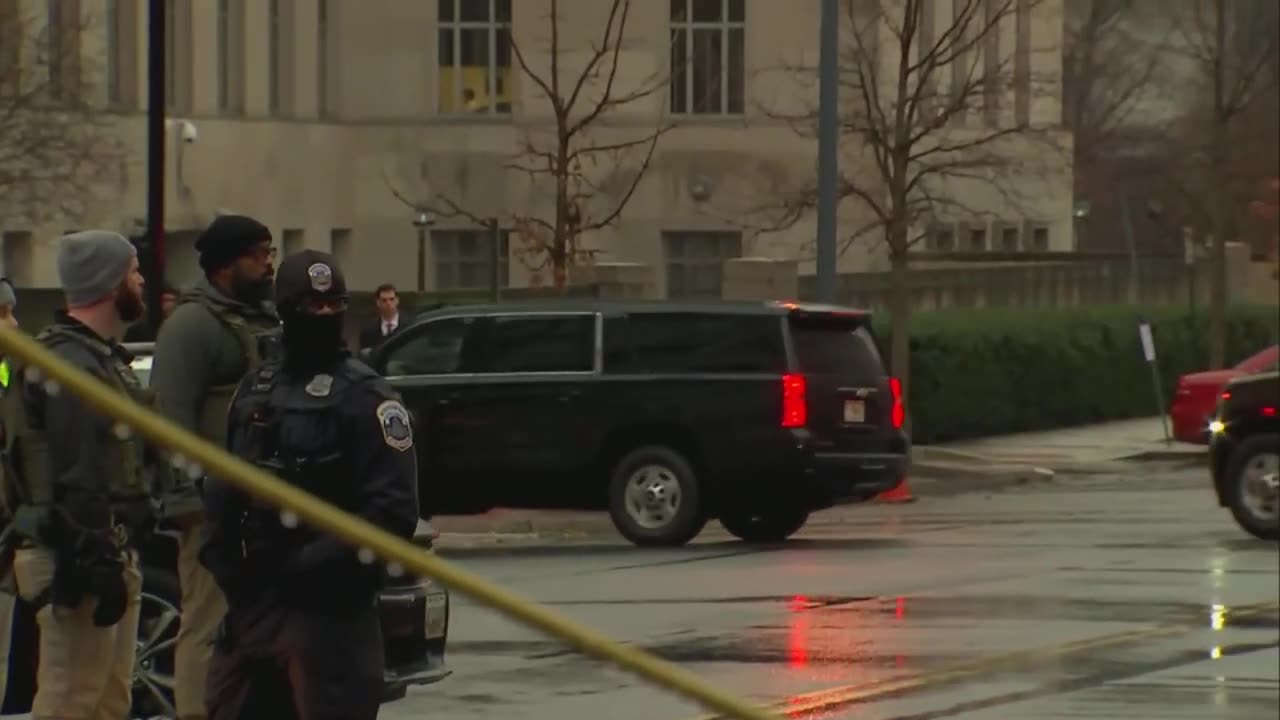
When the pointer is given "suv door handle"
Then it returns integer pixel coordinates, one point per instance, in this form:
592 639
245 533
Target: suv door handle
446 400
570 395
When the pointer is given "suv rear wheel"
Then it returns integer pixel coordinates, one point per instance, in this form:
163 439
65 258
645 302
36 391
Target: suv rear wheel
654 498
764 525
1253 481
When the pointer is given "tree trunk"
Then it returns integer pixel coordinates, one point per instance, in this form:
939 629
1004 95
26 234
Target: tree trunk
900 320
1221 199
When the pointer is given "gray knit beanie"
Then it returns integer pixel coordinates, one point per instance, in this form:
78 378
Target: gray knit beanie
92 264
7 295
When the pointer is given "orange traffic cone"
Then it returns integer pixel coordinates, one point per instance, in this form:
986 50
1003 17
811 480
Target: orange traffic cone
900 493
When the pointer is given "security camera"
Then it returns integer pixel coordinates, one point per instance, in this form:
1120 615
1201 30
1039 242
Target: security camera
189 132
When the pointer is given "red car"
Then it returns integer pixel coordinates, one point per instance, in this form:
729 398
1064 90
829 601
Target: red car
1197 395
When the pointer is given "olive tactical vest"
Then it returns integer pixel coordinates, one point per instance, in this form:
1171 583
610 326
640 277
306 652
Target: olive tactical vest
259 338
26 476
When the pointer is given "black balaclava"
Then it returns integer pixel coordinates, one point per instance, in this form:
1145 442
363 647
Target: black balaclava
311 343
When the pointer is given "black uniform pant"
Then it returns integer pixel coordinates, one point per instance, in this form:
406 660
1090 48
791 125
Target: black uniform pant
288 664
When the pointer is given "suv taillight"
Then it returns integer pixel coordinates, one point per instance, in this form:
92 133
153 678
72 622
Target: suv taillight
899 412
795 406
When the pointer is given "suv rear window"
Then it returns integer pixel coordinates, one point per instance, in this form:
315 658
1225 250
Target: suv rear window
834 347
693 343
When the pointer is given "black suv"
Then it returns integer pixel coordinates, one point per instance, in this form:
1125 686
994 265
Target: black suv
667 414
1244 453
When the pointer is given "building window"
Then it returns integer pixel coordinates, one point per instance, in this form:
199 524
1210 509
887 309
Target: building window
111 68
16 257
978 239
474 57
292 240
464 259
1009 239
708 57
273 57
1022 63
53 49
942 239
224 54
340 245
322 59
171 54
1040 239
695 262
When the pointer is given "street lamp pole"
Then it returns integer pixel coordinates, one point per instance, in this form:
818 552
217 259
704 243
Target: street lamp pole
422 220
828 148
155 157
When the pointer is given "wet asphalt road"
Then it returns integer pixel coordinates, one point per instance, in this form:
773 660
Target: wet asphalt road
1127 596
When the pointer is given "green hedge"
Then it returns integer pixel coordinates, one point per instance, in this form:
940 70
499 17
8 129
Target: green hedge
997 371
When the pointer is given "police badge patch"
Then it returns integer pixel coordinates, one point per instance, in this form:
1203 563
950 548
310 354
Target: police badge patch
320 386
321 277
394 419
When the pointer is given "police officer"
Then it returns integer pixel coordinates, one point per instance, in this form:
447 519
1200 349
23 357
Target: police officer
82 490
301 637
8 303
218 331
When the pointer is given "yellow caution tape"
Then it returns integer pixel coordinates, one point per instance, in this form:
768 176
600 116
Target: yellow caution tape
362 534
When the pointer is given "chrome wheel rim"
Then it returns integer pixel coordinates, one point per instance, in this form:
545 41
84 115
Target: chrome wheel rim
157 635
653 496
1260 487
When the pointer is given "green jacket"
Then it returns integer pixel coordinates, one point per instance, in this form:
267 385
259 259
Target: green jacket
59 453
203 350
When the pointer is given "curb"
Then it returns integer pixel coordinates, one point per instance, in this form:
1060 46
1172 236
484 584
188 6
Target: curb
1190 457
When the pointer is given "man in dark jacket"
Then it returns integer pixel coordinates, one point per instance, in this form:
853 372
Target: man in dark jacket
84 488
221 329
302 637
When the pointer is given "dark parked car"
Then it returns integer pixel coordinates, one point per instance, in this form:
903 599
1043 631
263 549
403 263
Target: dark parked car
666 414
1244 454
415 623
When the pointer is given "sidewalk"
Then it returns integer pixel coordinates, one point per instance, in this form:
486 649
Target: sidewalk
1078 449
937 470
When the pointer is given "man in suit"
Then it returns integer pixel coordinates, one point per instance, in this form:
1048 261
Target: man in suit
390 319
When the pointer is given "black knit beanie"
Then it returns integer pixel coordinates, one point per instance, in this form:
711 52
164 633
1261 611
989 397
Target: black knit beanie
227 239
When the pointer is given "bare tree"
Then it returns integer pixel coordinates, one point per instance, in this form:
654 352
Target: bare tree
926 101
593 164
1235 47
57 146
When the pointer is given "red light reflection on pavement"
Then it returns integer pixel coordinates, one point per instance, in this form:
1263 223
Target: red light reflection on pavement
798 633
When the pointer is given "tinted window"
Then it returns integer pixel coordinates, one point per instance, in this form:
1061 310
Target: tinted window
834 348
434 348
694 343
542 344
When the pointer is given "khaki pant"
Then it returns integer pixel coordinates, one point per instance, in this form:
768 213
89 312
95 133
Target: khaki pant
85 672
7 603
202 609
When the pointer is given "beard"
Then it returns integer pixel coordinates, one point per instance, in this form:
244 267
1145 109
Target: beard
251 290
130 305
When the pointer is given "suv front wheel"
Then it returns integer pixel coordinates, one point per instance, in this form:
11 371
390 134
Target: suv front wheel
1253 484
654 498
764 525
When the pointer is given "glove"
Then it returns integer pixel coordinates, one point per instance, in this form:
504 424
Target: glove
105 581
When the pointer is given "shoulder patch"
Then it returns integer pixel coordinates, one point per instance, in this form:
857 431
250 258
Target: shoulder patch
394 420
320 386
